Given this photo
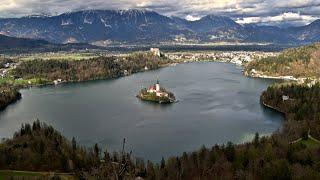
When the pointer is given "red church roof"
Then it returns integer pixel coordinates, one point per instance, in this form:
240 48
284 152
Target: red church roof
152 88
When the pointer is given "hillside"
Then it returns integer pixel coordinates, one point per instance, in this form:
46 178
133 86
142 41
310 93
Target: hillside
104 27
38 147
87 69
8 95
26 45
11 42
298 62
308 33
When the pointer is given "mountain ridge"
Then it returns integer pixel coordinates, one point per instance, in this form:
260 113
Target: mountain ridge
22 45
139 26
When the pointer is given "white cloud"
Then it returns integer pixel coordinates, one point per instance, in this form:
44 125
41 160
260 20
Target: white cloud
192 18
284 17
248 20
7 5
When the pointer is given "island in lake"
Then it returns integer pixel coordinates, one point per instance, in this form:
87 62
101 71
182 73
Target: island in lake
157 94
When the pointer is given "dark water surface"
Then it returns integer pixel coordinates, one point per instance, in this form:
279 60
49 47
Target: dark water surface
216 105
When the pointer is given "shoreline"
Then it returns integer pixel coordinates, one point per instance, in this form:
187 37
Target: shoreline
310 81
172 63
26 86
160 66
272 107
15 99
254 74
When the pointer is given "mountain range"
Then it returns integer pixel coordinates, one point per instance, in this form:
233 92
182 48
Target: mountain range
104 27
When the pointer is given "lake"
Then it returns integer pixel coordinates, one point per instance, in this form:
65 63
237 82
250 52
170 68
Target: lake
216 104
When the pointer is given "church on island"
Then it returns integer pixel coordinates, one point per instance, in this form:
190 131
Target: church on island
156 93
156 89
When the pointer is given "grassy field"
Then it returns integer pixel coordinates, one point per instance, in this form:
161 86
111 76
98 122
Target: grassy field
59 56
7 174
22 82
310 143
28 175
3 80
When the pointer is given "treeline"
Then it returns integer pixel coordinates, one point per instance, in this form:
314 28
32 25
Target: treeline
91 69
39 147
8 95
264 158
302 109
298 62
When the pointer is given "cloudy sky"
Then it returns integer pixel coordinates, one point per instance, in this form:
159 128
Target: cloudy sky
297 12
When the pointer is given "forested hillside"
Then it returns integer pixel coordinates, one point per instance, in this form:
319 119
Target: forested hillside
8 95
300 104
91 69
39 147
298 62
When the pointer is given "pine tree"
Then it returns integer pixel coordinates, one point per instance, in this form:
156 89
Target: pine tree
256 140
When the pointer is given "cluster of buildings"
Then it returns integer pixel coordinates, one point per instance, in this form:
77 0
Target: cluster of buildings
236 57
255 73
4 68
300 80
3 73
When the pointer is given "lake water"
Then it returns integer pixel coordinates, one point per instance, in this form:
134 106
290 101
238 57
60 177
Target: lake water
216 104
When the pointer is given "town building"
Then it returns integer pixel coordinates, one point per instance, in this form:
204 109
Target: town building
285 98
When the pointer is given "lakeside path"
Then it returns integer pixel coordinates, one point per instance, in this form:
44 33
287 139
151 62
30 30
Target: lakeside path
271 107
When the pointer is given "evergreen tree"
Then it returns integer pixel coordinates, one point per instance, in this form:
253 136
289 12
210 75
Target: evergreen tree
256 140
